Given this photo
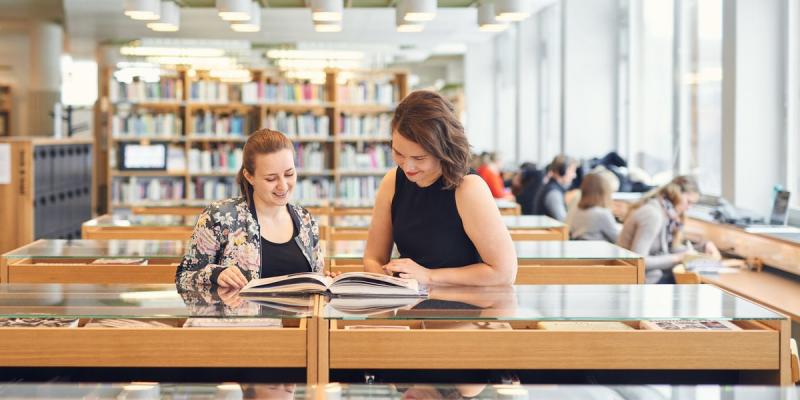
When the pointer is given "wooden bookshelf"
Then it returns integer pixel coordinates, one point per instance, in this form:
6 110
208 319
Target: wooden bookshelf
194 114
5 110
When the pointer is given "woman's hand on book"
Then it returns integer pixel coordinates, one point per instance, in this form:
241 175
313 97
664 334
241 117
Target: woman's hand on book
332 274
231 277
408 269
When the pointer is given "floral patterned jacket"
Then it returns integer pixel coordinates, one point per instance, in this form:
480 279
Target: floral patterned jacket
227 234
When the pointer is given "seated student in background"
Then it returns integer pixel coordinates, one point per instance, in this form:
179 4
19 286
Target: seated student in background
525 184
592 219
652 229
258 234
443 219
489 170
549 200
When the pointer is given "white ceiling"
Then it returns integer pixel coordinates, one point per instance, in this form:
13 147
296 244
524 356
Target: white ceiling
98 21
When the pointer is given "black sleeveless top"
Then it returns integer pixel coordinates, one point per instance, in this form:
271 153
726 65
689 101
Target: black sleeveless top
282 258
426 226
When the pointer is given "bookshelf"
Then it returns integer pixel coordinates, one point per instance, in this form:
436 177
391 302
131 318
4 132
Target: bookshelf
5 110
340 129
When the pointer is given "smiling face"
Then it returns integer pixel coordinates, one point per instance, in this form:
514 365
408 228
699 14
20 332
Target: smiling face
418 165
273 178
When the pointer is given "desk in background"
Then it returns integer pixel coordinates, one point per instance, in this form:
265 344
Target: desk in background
540 262
521 227
145 227
71 261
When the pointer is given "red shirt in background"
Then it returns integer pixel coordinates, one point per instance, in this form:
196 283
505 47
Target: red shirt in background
494 180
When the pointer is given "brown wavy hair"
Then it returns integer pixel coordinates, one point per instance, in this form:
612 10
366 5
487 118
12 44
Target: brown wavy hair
595 191
262 141
428 119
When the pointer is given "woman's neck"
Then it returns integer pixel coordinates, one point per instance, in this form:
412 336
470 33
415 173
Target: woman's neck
270 212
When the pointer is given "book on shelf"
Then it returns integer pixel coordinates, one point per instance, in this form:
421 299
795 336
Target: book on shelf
120 261
136 189
292 124
213 188
283 92
364 284
313 189
208 124
584 326
309 156
211 91
176 159
223 158
167 89
373 126
370 157
358 189
367 92
689 325
144 124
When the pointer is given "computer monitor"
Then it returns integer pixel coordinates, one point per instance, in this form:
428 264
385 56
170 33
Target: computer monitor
780 208
142 157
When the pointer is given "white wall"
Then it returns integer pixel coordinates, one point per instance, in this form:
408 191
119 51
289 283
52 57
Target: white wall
590 76
505 109
528 50
753 99
479 90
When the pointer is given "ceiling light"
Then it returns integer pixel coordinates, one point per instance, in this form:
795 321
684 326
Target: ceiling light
254 24
400 21
511 10
419 10
316 54
195 62
326 10
486 18
170 19
334 26
147 10
234 10
171 51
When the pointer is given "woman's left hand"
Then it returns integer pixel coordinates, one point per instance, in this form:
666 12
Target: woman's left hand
408 269
332 274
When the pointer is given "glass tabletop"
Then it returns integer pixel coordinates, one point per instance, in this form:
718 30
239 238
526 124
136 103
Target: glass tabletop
151 301
235 391
526 250
56 248
511 222
556 303
506 204
123 221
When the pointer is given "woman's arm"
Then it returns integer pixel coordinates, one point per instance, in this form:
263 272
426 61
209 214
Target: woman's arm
485 228
317 253
379 238
610 228
199 265
649 224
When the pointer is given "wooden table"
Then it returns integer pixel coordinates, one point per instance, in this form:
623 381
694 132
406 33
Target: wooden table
73 261
452 334
540 262
521 227
291 345
145 227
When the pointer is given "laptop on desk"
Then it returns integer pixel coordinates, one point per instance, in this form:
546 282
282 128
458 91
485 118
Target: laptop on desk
777 219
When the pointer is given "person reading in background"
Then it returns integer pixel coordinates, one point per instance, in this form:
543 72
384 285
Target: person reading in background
443 219
592 219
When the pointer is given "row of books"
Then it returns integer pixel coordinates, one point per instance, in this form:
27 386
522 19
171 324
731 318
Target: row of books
224 158
146 124
367 92
212 189
206 123
208 91
292 124
167 89
352 157
310 156
366 125
139 189
356 189
313 189
281 92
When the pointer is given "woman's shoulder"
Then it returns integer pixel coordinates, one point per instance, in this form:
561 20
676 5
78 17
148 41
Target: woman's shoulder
649 210
233 204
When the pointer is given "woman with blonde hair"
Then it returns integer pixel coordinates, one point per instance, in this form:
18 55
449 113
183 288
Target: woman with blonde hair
592 219
258 234
652 228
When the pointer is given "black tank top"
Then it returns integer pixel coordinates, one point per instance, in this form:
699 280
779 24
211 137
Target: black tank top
282 258
426 226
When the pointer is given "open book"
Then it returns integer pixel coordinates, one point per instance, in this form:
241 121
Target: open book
364 284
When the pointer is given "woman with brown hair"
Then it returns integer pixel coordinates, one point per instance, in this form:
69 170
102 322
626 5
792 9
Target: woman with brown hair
593 220
258 234
442 218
